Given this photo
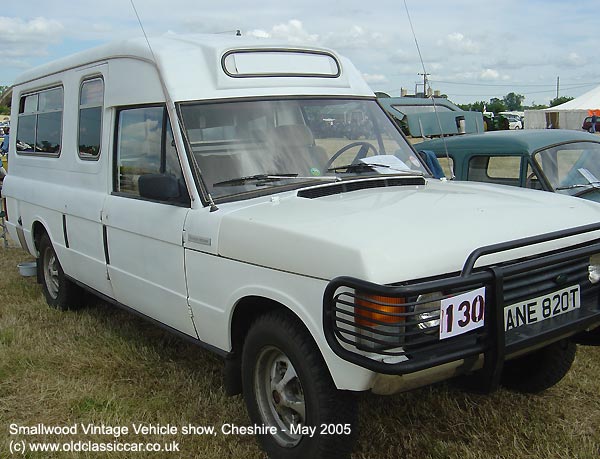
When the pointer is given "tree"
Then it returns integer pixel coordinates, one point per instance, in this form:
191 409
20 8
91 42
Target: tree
496 105
513 102
473 107
534 106
4 109
560 100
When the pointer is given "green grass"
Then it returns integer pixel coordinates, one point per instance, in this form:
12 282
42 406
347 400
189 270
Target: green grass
103 366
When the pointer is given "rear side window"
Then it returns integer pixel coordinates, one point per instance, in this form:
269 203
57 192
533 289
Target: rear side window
91 101
495 169
39 129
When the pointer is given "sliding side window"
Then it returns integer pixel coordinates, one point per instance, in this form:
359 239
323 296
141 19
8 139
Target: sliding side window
39 128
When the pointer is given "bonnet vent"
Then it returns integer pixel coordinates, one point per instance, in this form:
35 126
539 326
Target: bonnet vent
345 187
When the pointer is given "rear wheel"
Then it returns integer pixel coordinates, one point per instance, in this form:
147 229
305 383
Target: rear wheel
59 291
540 370
289 391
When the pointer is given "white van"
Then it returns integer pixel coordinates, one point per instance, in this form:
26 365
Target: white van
202 184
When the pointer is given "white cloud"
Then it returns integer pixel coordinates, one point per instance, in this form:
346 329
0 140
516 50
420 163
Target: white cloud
258 33
26 38
458 42
292 31
355 37
489 74
575 59
401 56
374 78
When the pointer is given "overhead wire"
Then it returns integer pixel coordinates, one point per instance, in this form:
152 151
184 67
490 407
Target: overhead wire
425 92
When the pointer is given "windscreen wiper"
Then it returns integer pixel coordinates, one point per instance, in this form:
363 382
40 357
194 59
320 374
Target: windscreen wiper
264 179
579 185
259 178
587 187
367 167
356 167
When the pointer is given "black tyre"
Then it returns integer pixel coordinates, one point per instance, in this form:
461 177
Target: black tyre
59 291
287 386
588 338
540 370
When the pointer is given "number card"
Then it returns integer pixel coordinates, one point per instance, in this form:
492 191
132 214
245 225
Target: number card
462 313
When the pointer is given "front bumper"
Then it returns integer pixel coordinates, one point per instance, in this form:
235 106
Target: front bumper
393 343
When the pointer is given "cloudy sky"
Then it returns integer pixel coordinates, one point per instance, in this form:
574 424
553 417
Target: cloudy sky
472 50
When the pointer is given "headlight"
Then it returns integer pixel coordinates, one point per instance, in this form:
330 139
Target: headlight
429 304
594 268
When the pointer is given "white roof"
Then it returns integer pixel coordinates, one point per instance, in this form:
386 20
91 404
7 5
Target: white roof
191 67
588 101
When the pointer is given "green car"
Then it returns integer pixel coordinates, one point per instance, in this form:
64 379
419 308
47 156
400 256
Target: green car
562 161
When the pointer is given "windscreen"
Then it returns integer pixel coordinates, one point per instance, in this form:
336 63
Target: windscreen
256 145
572 168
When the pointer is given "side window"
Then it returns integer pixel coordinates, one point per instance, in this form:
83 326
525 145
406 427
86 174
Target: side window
505 170
91 101
39 128
145 145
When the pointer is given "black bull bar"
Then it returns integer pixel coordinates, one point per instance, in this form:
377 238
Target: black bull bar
344 310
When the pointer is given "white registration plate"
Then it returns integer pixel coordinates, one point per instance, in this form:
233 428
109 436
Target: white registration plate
541 308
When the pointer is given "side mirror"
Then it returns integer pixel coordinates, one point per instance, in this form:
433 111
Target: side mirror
161 187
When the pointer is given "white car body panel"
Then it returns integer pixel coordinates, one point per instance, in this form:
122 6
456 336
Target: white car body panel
395 234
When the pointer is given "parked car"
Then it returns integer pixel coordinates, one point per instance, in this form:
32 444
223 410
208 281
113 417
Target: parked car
502 121
562 161
514 121
424 117
587 124
314 265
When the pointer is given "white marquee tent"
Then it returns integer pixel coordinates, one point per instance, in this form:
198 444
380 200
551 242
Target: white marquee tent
569 115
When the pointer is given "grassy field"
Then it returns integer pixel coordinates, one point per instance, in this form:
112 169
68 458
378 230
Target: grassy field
100 365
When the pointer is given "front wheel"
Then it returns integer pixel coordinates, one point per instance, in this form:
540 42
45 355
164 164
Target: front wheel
289 391
541 369
59 291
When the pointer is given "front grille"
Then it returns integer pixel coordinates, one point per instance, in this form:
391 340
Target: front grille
546 279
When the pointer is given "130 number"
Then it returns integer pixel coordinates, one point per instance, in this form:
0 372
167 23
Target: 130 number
462 313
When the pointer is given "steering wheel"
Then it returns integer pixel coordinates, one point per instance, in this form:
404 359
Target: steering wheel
362 153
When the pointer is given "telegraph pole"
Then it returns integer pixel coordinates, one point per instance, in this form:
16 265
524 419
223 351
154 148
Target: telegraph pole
557 85
425 75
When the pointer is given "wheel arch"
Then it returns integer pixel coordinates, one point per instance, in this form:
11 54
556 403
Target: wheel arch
245 312
38 229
